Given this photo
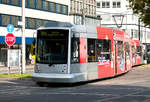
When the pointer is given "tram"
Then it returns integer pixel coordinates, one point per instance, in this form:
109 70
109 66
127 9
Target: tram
67 53
137 52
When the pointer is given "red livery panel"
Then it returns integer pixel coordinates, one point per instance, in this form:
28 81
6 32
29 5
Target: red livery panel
83 49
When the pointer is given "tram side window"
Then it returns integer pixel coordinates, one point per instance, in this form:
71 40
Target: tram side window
103 50
91 50
120 50
75 50
139 51
127 49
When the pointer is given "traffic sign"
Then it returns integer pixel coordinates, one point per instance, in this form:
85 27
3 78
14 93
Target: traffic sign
10 39
10 28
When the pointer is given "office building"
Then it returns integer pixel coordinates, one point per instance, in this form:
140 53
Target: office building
37 13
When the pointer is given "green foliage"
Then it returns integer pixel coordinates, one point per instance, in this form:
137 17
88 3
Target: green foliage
148 57
16 75
148 60
141 7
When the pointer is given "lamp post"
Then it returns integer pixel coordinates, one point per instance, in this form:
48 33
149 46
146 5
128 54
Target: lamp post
83 13
100 19
139 27
23 70
118 19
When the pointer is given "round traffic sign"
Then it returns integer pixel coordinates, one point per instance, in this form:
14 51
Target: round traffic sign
10 28
10 39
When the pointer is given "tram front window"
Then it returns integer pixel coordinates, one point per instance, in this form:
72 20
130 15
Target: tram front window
52 46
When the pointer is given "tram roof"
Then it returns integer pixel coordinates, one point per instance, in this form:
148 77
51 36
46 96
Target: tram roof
84 28
76 28
58 24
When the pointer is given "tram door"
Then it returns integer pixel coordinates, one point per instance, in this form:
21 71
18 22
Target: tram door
133 55
115 51
127 56
125 49
119 61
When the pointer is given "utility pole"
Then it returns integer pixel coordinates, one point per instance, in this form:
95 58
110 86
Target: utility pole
23 70
139 26
83 12
100 19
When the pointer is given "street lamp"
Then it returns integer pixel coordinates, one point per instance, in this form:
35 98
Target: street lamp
100 19
118 19
139 27
83 12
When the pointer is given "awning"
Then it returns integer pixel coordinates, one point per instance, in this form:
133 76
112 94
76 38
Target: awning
29 40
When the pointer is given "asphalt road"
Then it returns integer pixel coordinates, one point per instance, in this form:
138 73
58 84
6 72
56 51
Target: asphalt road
133 86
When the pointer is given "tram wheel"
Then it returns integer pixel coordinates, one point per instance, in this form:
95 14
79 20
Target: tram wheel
41 84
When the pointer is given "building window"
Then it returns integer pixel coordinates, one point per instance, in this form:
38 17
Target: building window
98 4
52 7
9 19
77 19
135 34
78 6
38 23
32 4
32 23
65 9
75 6
116 4
88 9
105 4
0 20
45 21
39 4
15 20
45 5
11 2
5 20
5 1
27 22
16 2
59 8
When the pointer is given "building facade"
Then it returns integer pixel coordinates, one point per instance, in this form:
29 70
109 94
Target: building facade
37 13
109 11
78 8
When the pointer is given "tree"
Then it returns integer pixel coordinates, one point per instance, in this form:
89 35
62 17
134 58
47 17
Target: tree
141 7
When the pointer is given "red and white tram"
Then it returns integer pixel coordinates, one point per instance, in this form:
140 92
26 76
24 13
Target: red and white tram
68 53
137 52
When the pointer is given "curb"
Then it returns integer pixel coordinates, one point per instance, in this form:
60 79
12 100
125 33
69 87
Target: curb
14 78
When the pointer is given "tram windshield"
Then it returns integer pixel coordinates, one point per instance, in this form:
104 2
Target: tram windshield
52 46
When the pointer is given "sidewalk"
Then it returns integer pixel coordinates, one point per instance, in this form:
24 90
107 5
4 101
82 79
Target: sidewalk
5 70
